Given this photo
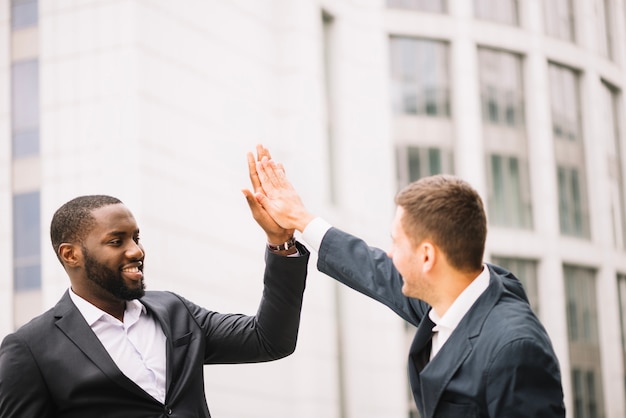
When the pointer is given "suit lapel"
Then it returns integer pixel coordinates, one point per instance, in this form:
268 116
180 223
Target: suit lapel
71 322
438 372
435 377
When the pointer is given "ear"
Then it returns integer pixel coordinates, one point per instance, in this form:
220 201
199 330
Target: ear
427 252
71 255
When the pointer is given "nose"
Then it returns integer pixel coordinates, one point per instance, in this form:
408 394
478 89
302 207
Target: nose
135 250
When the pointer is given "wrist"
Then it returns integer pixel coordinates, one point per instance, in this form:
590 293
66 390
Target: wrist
303 221
283 246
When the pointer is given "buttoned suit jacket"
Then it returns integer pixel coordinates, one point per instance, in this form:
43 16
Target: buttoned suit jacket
55 366
498 362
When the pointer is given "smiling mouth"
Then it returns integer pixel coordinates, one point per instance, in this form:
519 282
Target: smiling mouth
134 271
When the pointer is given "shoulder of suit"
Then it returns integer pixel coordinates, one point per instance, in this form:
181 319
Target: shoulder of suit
161 297
37 325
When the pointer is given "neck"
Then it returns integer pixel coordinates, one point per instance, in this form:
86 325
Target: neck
454 284
114 307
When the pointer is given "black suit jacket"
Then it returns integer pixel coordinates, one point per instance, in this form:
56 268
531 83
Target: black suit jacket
497 363
55 366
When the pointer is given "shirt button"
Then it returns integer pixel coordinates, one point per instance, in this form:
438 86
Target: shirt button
168 410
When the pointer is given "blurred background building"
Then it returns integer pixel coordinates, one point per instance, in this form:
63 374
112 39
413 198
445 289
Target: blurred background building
157 102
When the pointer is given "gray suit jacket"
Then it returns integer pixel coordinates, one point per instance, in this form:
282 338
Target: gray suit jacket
55 366
497 363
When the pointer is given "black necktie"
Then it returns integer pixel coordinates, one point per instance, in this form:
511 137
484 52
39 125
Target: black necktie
423 342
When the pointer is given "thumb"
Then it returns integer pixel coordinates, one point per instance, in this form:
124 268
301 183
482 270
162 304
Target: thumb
250 198
261 199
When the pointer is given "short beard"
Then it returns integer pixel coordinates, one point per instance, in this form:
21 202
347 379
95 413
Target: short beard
110 280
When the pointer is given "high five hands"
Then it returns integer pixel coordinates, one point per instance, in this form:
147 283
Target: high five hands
275 204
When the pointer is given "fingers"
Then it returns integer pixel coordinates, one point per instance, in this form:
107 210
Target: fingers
261 152
267 176
258 211
271 175
267 173
254 176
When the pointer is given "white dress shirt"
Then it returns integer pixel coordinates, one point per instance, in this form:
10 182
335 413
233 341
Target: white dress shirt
445 325
137 345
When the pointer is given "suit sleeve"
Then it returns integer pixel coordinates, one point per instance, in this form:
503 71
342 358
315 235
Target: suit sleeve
273 332
23 392
369 271
523 380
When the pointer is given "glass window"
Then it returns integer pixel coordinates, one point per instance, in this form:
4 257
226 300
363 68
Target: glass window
526 272
573 213
609 132
621 293
419 77
509 195
502 11
26 241
417 162
581 305
504 132
603 10
569 151
25 108
559 19
584 345
438 6
24 13
565 103
501 87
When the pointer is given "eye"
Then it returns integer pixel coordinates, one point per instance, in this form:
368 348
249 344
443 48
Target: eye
115 242
136 239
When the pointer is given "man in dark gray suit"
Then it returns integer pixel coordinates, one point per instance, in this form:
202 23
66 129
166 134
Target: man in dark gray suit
110 349
479 351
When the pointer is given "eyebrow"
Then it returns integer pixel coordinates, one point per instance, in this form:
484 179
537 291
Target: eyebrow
121 233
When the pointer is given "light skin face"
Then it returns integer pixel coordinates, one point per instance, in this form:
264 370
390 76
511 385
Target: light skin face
425 270
414 262
107 268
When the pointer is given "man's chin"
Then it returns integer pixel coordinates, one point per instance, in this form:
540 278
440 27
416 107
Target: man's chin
408 293
134 293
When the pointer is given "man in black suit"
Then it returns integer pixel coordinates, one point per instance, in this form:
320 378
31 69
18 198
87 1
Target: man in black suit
479 350
110 349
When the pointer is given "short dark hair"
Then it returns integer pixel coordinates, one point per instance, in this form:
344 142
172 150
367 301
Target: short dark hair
72 221
448 211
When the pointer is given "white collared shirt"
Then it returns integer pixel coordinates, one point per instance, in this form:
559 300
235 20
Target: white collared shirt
137 345
446 324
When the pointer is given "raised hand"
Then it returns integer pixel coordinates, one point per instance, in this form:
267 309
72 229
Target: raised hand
276 234
278 197
261 152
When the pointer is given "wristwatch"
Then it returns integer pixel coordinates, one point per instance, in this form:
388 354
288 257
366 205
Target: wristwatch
290 243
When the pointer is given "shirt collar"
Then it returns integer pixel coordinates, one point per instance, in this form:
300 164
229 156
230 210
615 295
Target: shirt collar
92 314
462 303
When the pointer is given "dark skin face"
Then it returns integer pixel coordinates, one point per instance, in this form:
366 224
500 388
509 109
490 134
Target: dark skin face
107 268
